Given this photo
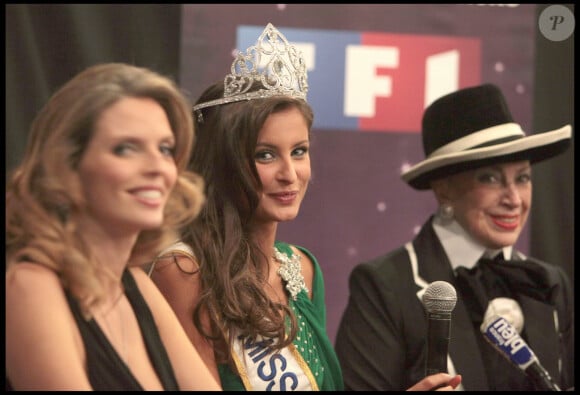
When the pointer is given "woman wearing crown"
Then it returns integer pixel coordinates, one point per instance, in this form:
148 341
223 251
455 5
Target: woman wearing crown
252 305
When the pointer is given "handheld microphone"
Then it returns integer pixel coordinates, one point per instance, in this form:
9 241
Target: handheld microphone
439 301
505 338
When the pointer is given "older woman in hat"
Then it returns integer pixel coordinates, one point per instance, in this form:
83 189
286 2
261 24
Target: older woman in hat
478 165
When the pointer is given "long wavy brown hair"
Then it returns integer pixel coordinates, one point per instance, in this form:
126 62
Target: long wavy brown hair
232 282
44 199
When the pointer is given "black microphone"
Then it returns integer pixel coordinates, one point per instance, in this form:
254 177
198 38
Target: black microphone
505 338
439 301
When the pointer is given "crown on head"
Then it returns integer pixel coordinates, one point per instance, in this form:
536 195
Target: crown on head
273 61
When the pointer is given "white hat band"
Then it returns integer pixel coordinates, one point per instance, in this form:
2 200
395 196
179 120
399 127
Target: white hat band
478 138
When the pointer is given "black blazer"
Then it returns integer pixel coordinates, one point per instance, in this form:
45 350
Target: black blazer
382 334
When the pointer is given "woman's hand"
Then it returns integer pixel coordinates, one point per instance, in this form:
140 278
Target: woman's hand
437 382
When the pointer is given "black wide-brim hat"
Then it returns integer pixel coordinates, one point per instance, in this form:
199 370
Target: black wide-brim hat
472 128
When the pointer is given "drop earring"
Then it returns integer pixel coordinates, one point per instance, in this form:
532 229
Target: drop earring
446 212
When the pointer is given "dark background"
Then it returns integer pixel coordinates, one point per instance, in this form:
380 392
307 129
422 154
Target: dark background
48 44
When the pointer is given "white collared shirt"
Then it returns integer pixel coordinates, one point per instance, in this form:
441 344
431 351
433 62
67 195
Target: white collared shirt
460 247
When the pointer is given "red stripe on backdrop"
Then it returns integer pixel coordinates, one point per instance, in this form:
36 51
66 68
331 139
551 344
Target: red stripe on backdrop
427 68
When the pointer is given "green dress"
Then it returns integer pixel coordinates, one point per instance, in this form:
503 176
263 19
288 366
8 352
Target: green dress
323 363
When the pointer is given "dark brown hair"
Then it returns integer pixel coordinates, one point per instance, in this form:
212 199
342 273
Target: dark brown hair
233 286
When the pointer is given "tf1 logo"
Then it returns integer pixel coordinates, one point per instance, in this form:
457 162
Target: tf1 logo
377 82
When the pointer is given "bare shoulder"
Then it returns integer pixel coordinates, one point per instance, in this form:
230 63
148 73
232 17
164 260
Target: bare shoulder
40 325
176 275
32 287
184 260
31 281
168 286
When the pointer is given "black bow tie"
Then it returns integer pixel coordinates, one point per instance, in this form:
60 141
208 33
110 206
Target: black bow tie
493 278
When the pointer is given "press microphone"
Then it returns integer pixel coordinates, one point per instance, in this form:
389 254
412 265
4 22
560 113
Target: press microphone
505 338
507 308
439 301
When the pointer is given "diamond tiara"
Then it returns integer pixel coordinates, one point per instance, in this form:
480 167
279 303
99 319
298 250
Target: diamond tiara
273 61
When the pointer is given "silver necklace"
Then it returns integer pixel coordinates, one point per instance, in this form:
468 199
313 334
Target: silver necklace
290 271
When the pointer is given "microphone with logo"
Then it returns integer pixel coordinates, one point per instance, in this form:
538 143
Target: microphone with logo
507 308
439 301
504 337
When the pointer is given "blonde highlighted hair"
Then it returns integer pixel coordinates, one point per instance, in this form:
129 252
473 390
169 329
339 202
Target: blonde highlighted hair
44 198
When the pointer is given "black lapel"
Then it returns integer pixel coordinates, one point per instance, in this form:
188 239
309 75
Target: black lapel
541 337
